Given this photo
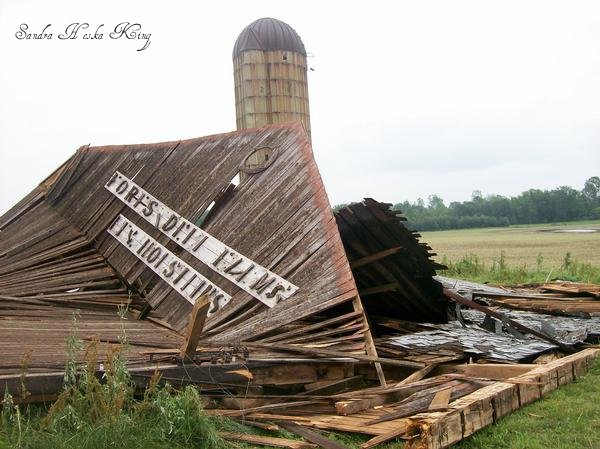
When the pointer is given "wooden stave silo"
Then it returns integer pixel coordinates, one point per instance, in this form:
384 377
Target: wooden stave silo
270 76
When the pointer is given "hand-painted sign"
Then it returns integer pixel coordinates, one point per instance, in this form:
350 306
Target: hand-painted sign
179 275
261 283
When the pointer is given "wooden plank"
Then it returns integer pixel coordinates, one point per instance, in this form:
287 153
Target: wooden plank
488 370
335 354
195 325
357 263
352 423
260 425
441 399
298 373
370 347
307 328
379 439
380 289
269 407
420 402
418 375
311 435
380 396
267 441
335 386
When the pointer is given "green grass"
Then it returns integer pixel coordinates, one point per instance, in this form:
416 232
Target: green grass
568 418
499 271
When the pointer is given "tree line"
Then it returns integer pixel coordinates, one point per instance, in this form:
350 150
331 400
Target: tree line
532 206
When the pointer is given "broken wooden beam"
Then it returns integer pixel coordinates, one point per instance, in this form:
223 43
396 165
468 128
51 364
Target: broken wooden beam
422 401
481 408
379 289
381 396
311 435
418 375
336 354
374 257
266 441
194 329
335 386
267 408
456 297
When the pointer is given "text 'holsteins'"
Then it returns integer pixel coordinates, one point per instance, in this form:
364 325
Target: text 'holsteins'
179 275
261 283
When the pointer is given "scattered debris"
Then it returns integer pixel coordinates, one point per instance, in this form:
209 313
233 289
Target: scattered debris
286 315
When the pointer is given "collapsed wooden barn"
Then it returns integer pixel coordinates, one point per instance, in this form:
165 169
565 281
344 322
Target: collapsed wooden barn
61 246
231 271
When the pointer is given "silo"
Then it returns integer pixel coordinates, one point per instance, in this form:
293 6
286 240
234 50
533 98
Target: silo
269 61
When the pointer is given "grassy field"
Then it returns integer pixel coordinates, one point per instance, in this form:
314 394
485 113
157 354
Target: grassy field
531 246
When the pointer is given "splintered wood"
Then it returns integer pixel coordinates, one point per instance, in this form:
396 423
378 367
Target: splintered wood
436 412
485 406
393 270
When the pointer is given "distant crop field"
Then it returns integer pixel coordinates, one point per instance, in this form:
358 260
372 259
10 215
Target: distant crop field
521 245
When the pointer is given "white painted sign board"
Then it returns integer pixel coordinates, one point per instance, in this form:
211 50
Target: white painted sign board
184 279
258 281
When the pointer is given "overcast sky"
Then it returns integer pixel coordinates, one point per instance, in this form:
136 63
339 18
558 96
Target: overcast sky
407 98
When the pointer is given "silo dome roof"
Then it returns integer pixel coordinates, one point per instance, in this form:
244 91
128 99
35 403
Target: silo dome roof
268 34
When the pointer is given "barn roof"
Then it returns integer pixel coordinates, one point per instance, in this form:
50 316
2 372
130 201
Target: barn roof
63 249
56 247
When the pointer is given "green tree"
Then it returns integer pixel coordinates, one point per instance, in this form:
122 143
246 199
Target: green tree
591 189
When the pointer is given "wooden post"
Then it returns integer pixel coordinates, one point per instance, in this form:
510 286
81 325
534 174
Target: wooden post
194 329
369 342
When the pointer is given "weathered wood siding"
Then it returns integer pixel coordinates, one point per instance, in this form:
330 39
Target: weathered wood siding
279 217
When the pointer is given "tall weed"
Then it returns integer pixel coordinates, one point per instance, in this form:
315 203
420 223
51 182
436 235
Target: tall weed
98 408
501 272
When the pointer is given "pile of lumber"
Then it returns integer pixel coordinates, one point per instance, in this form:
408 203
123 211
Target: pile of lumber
432 408
556 298
561 298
